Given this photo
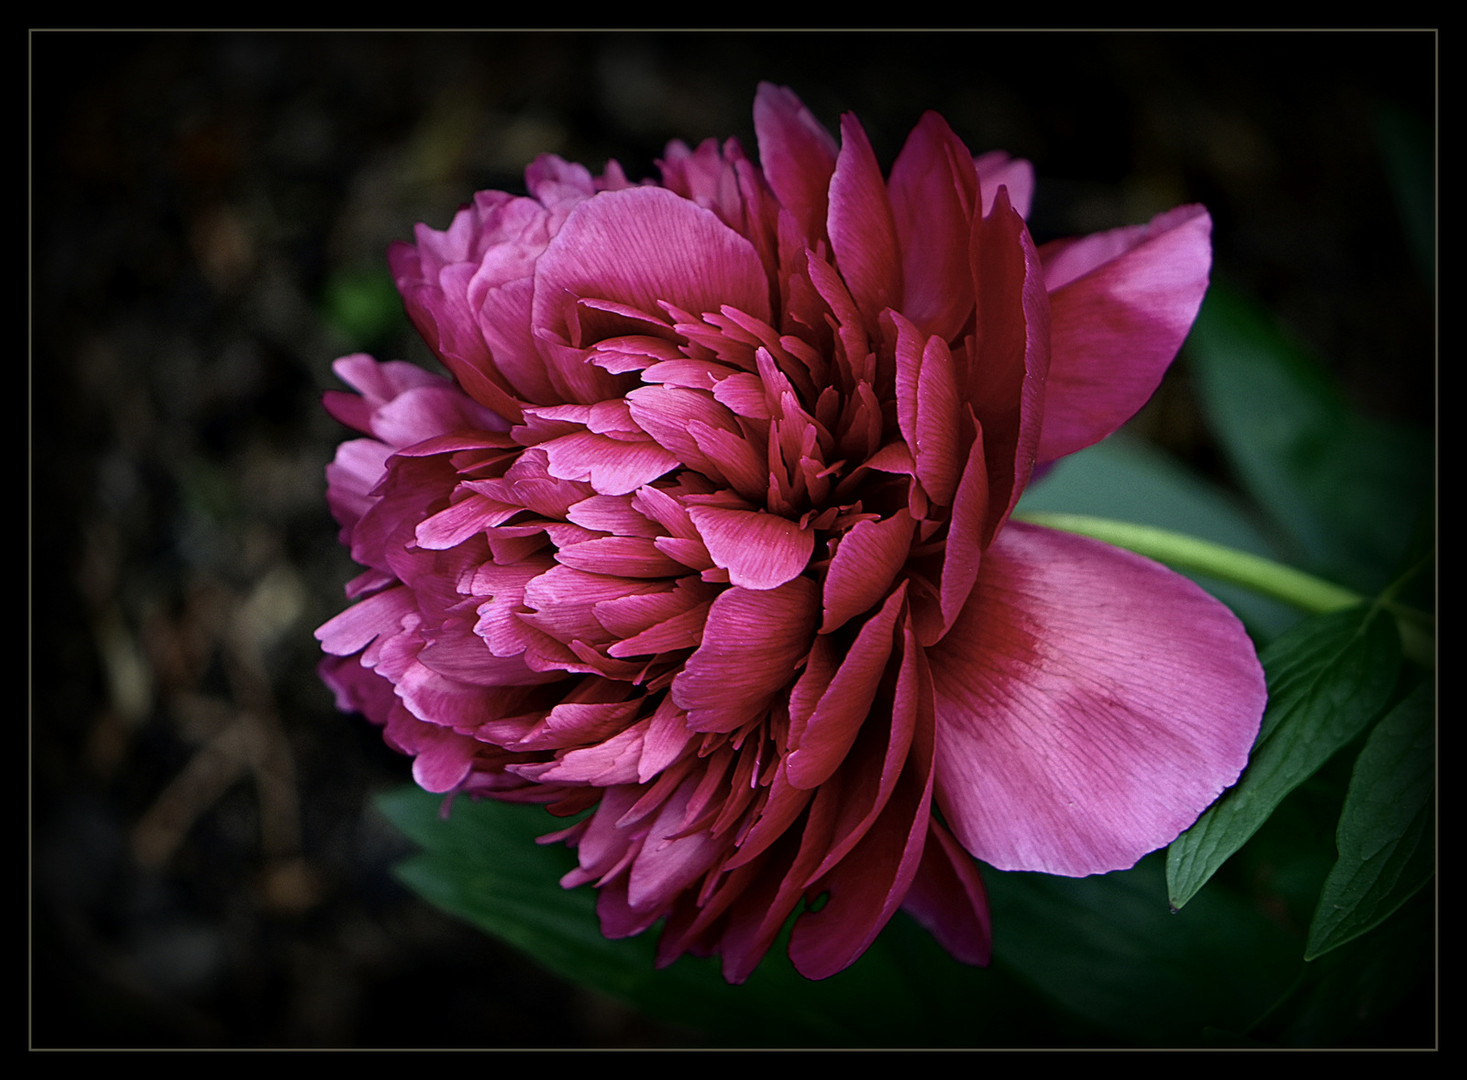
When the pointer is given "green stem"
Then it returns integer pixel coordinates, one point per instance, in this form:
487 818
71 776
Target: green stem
1260 575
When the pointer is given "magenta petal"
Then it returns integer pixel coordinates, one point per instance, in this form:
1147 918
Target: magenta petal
1122 303
759 550
948 898
1090 704
934 191
995 170
645 246
862 233
797 154
751 645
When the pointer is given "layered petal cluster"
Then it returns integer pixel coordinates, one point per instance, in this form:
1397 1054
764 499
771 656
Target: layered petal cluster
706 545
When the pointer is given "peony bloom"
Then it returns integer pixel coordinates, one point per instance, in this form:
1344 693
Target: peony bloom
707 541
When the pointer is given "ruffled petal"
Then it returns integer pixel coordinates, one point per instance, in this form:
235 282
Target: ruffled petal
753 642
1090 705
643 247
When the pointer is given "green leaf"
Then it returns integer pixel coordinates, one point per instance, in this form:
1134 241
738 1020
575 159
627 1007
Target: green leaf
1342 489
1327 680
482 864
363 305
1085 962
1125 479
1386 830
1105 951
1408 151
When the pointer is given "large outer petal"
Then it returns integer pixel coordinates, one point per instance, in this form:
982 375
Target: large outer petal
1121 304
1090 704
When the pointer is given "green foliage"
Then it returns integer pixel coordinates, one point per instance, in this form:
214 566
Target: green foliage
1386 837
1327 680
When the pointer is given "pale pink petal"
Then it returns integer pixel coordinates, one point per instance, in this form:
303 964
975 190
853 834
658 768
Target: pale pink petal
1122 304
1090 704
997 169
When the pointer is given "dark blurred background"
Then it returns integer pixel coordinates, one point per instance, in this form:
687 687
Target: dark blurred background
209 218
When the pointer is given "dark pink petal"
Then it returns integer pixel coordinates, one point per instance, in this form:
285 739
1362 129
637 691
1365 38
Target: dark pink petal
865 564
642 247
928 408
818 745
759 550
441 757
377 383
752 644
611 466
356 470
623 556
868 777
962 551
948 898
424 412
934 196
1122 304
867 886
356 627
797 156
669 862
862 234
1090 705
1010 362
503 319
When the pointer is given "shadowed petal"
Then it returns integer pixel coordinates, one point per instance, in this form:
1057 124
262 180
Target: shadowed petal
1091 704
948 898
862 234
752 643
1122 303
934 192
797 155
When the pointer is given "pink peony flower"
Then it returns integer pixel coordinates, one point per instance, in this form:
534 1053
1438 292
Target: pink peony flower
708 539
